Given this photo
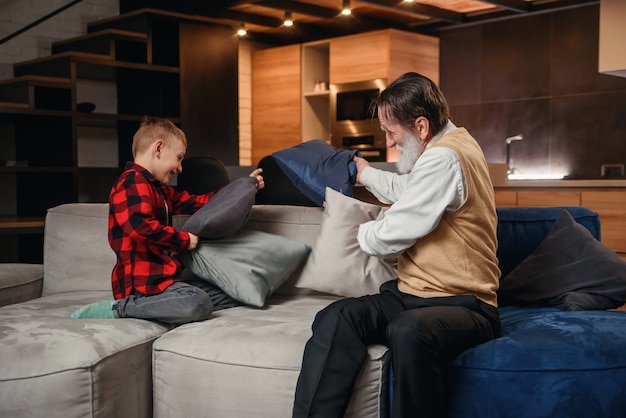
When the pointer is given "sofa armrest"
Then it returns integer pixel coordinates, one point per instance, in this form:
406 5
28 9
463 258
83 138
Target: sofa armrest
20 282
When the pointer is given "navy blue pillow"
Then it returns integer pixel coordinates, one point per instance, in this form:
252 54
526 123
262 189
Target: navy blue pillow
314 165
570 269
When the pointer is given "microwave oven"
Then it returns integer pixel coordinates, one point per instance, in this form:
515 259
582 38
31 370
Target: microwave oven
354 122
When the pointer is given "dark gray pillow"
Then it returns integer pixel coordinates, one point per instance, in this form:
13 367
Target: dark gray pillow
225 213
570 269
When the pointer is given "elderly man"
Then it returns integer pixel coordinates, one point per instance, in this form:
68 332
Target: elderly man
442 227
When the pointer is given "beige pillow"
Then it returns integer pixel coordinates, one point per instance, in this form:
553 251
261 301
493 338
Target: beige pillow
337 264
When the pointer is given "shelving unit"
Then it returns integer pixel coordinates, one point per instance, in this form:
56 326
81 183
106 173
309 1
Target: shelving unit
54 153
315 102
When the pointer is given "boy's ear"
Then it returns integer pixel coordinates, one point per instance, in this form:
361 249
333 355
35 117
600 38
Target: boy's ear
157 147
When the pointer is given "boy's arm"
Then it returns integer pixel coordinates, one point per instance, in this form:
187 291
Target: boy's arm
185 203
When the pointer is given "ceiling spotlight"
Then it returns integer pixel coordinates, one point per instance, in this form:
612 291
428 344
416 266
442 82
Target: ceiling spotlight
346 9
408 1
288 19
242 30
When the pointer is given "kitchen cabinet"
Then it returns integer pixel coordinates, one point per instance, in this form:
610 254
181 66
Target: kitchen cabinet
611 54
385 54
290 84
608 202
611 206
505 198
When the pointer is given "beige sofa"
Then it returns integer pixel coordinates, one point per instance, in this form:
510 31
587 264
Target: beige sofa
242 362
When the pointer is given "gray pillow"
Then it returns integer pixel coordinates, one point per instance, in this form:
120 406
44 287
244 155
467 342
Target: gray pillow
337 263
249 266
226 212
570 269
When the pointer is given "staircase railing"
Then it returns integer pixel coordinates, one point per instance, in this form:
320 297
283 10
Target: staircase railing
39 21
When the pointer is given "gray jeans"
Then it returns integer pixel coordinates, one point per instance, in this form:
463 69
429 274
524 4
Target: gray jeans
187 301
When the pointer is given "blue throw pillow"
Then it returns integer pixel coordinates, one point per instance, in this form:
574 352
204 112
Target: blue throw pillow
314 165
570 269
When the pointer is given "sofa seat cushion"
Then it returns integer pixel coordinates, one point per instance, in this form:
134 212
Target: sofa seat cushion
246 362
50 362
547 362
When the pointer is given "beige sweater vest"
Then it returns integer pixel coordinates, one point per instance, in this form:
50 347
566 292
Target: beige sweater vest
459 256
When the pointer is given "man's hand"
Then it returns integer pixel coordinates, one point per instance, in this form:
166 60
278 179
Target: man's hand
260 183
193 241
361 163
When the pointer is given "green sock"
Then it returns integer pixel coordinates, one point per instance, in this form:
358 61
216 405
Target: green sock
96 310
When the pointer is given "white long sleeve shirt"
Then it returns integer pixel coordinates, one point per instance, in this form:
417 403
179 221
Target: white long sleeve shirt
419 199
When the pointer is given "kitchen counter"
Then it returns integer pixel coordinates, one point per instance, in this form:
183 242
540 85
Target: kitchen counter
558 184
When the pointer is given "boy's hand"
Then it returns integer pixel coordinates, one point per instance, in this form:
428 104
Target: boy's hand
193 241
260 183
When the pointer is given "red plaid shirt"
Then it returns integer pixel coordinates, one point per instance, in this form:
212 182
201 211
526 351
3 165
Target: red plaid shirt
140 232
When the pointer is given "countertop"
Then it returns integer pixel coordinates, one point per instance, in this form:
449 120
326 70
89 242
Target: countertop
557 184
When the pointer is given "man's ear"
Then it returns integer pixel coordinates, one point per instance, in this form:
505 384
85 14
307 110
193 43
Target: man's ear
422 128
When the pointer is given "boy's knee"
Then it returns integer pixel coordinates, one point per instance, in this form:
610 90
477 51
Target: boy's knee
197 307
201 308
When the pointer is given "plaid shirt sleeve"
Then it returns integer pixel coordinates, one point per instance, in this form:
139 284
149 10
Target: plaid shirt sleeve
140 235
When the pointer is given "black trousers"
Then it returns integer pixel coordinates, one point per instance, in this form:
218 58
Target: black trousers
423 335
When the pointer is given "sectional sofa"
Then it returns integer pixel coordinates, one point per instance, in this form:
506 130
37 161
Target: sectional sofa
244 361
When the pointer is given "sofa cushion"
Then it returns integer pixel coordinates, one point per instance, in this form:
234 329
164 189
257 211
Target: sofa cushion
225 213
52 364
249 266
77 255
249 360
298 223
20 282
337 264
569 269
279 189
314 165
546 363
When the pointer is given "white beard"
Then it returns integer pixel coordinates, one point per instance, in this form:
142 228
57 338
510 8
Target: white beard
410 151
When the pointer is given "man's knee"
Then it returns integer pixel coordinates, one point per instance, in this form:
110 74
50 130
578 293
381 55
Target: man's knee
340 310
410 326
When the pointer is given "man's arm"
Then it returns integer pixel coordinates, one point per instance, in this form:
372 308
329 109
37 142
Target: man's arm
434 185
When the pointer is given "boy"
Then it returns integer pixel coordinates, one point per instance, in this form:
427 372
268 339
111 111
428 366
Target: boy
146 279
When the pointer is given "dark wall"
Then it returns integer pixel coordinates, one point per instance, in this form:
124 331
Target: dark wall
209 91
538 76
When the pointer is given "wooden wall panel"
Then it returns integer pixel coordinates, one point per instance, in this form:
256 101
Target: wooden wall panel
276 100
413 52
